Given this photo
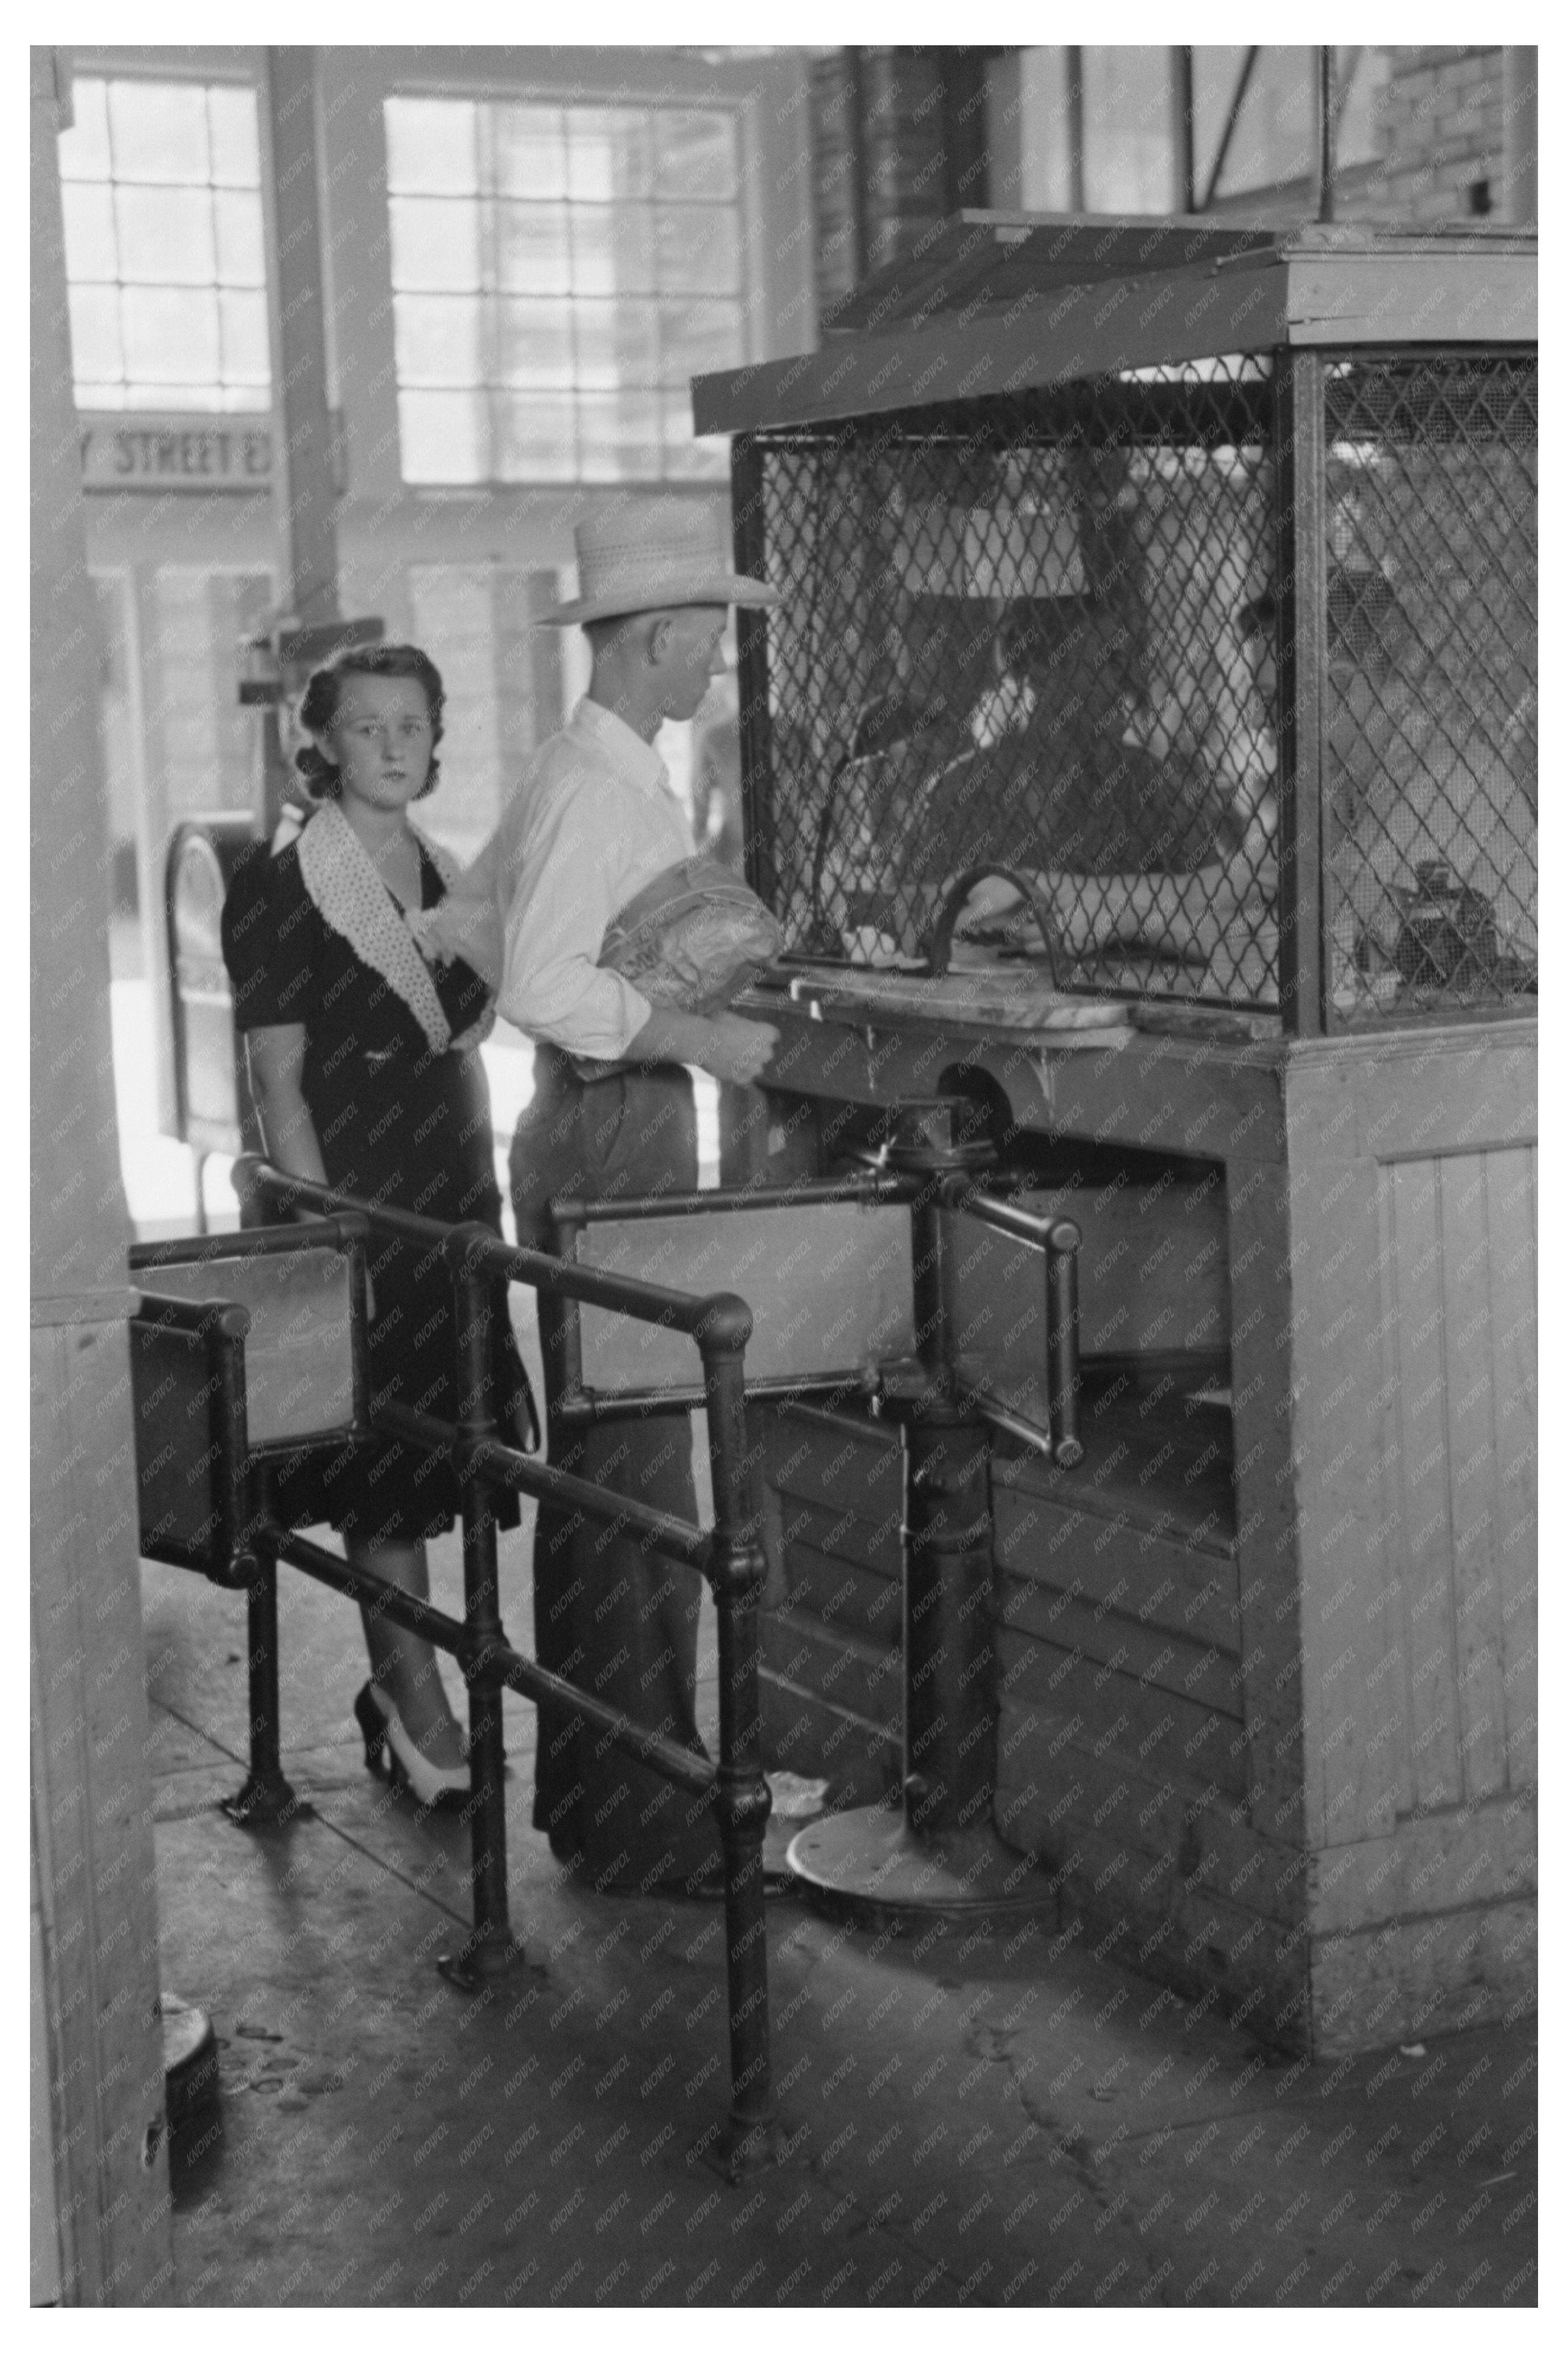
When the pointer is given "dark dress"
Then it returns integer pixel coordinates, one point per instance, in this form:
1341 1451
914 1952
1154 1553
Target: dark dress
402 1125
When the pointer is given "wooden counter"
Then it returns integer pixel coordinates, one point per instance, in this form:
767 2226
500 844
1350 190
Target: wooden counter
1273 1717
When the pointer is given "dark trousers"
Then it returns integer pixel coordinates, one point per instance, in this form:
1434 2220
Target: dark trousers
620 1620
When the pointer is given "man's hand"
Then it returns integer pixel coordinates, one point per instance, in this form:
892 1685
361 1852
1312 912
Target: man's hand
737 1049
721 1043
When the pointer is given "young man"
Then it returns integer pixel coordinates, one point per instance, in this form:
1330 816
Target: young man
590 825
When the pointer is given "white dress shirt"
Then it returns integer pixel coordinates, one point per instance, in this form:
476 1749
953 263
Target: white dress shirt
593 821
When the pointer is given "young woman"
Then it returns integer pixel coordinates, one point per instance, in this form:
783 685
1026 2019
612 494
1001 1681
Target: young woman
364 1069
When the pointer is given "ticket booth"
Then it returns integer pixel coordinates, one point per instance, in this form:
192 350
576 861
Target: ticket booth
1144 754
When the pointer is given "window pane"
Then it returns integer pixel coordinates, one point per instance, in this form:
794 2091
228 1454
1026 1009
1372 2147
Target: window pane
242 322
686 459
619 433
91 249
699 250
241 258
618 343
696 155
530 150
612 250
1129 131
435 243
236 154
99 395
609 154
532 253
437 339
165 236
158 131
431 146
95 333
537 438
700 336
443 437
171 334
535 342
84 148
157 392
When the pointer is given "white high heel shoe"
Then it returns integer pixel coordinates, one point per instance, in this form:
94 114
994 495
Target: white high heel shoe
388 1749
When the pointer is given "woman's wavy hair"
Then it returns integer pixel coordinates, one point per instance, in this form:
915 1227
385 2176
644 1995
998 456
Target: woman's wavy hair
318 708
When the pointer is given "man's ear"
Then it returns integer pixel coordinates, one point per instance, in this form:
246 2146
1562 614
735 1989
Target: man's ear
658 638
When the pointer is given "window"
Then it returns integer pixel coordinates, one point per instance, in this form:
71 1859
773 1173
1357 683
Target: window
559 274
165 251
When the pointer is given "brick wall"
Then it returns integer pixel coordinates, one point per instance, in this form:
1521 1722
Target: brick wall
1443 134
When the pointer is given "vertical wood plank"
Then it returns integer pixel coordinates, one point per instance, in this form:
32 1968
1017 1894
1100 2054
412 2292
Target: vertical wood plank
1472 1468
1426 1527
1267 1537
1511 1227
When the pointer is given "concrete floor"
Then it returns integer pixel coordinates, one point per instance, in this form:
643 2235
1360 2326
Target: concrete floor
990 2120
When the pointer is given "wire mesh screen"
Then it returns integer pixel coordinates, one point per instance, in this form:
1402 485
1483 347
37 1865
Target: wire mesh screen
1430 704
1032 632
1042 633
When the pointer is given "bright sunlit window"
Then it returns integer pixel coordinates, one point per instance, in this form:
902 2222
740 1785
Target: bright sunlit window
165 250
559 274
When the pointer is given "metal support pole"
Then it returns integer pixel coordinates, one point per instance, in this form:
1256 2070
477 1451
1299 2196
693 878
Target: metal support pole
267 1801
741 1800
1302 539
938 1856
490 1950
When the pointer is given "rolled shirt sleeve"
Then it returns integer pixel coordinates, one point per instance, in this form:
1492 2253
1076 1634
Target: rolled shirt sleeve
562 897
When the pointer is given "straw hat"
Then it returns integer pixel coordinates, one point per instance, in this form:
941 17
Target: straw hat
662 553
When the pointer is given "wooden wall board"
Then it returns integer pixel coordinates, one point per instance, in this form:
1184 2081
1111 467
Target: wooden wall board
1419 1977
1483 1853
1191 1828
1353 1648
1188 1589
874 1543
845 1462
1154 1461
1257 1201
1158 1659
865 1677
1512 1223
861 1759
1070 1691
838 1591
1212 1100
93 1821
1179 1931
1152 1277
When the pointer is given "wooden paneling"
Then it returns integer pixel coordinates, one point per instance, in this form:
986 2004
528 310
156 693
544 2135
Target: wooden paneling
1152 1278
92 1823
1187 1588
840 1592
1076 1696
1432 1865
1458 1288
1423 1977
1159 1661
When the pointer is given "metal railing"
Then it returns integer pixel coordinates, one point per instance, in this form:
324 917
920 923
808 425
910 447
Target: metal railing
244 1544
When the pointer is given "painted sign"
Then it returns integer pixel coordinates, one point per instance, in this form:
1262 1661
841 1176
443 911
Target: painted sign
183 449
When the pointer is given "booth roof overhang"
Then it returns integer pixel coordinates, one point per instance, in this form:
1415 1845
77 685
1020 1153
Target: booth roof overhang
1007 302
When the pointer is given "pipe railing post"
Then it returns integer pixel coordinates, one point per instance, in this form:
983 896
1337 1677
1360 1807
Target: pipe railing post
490 1950
741 1800
267 1799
